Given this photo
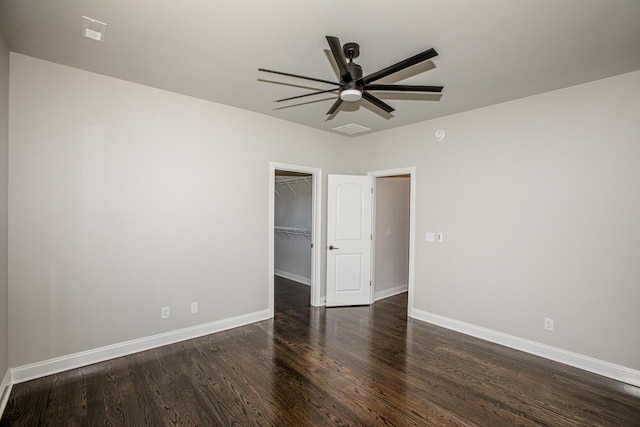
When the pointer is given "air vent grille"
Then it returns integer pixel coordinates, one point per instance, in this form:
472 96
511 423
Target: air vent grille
351 129
93 29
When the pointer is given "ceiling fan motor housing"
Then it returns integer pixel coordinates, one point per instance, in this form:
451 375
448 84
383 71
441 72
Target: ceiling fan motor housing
355 70
352 91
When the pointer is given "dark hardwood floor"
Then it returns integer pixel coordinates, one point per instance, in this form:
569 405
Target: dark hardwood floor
314 366
290 295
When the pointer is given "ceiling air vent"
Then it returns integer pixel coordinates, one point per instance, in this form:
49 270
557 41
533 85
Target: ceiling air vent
351 129
92 29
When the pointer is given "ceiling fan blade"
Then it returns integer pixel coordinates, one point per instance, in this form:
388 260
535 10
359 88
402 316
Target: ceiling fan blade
377 102
297 76
336 49
306 94
416 59
335 106
404 88
298 104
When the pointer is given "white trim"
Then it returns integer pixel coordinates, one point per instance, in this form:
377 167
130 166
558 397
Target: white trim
600 367
411 171
374 239
271 239
5 391
76 360
316 228
386 293
292 276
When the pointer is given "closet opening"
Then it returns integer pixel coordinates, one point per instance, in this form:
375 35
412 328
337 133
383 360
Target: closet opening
393 230
294 249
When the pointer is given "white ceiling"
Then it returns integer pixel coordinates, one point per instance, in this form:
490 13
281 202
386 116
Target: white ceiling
490 51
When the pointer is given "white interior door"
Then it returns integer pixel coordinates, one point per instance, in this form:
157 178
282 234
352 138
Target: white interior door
348 240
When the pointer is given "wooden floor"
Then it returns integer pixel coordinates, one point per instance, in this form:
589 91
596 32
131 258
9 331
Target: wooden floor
314 366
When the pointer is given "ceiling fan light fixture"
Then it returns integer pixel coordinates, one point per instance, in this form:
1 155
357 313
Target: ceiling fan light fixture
351 95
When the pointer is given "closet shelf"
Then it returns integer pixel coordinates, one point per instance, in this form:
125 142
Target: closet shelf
293 232
292 181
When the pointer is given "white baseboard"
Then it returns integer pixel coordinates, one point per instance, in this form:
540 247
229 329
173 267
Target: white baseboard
292 276
386 293
5 391
76 360
600 367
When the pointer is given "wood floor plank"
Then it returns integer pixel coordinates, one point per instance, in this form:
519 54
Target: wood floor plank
352 366
360 351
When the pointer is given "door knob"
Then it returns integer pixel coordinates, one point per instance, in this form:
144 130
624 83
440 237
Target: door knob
332 248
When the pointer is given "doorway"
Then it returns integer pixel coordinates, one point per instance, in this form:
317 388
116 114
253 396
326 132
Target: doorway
294 233
392 269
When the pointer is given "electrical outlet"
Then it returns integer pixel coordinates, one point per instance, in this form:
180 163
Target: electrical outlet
165 313
430 237
548 324
439 237
194 307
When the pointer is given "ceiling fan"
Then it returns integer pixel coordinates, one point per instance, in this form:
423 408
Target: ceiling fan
353 86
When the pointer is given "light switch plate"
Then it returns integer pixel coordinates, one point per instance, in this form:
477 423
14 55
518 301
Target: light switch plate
430 237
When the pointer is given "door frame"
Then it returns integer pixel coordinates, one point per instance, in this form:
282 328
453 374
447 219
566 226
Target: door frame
411 171
316 228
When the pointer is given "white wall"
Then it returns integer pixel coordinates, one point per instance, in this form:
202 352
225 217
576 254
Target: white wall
4 142
539 203
292 257
120 202
392 234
